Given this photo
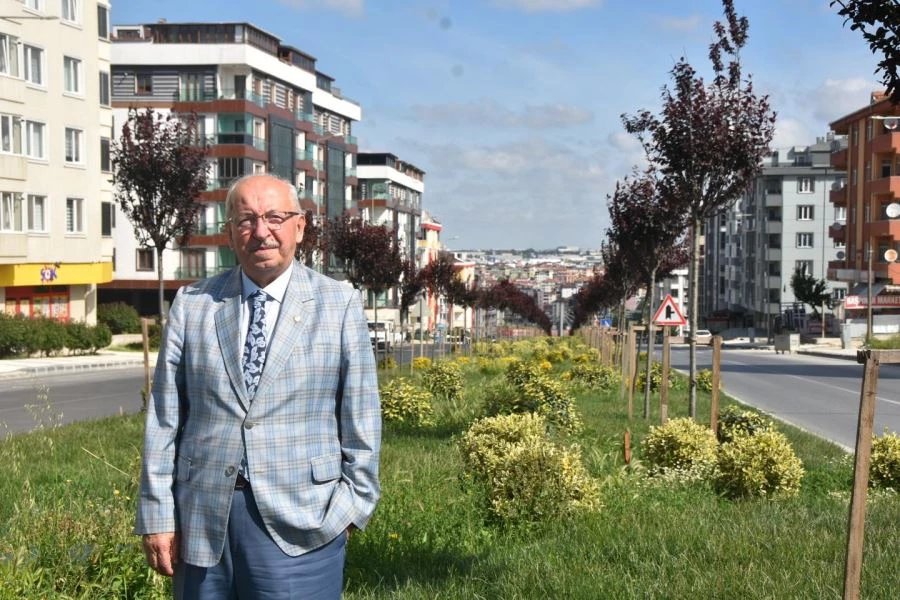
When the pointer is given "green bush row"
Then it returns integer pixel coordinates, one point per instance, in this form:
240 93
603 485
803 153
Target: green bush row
22 336
119 317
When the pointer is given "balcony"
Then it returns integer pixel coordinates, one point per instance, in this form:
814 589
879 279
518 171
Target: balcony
885 228
774 199
12 89
245 139
885 185
198 272
837 232
219 183
838 195
886 143
13 166
210 228
839 159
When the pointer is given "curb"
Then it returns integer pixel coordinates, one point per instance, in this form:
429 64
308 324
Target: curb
61 368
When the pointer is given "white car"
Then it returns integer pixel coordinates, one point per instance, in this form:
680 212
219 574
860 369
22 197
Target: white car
704 336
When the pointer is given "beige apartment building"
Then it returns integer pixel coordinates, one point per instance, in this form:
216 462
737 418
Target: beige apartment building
56 211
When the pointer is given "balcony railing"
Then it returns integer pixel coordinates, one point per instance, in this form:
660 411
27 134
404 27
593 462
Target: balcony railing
210 228
236 138
199 272
218 183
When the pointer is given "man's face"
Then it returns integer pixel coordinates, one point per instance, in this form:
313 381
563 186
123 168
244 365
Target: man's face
264 254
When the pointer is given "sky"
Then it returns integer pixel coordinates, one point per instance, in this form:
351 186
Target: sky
513 107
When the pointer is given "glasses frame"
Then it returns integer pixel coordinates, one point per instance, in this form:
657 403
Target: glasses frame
248 222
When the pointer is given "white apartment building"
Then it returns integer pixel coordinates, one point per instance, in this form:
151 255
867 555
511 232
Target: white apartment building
262 107
56 211
780 225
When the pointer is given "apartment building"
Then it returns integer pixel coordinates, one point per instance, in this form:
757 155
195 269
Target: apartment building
780 225
56 213
869 199
389 193
263 106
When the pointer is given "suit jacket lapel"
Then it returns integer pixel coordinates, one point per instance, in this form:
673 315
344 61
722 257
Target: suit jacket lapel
293 320
228 324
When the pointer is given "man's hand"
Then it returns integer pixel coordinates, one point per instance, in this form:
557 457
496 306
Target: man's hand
161 550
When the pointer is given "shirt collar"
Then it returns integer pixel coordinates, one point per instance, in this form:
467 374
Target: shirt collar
275 290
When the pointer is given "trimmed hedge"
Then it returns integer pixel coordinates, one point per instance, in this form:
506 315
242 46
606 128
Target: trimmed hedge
21 336
119 317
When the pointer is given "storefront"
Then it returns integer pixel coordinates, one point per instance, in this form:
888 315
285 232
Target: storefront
65 291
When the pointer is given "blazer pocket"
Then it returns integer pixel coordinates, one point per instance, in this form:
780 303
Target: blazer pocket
182 468
326 468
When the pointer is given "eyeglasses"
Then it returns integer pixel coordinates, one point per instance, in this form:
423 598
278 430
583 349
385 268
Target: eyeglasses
273 219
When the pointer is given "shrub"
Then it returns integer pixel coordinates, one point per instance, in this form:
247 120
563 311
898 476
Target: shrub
421 362
78 336
17 335
119 317
885 468
525 475
444 379
537 392
763 464
595 377
704 380
51 335
655 378
387 363
402 402
681 445
734 421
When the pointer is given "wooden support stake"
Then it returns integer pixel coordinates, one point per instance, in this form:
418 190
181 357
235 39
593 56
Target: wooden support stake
627 446
664 383
853 564
145 338
716 376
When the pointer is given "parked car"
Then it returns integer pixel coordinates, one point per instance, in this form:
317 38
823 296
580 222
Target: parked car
704 336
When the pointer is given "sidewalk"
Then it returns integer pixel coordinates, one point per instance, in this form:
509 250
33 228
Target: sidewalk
808 349
105 359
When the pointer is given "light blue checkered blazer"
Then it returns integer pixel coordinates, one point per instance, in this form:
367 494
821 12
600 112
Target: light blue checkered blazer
312 432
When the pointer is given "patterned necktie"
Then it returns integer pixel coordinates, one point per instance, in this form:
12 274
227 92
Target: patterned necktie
255 346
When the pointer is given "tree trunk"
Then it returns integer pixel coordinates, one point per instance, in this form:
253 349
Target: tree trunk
650 343
694 315
375 318
159 274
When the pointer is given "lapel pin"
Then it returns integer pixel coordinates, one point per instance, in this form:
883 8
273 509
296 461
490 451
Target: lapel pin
296 319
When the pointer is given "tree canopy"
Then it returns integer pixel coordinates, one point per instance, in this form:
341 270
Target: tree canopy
159 169
809 290
879 23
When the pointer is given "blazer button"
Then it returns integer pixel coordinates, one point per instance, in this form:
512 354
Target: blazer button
229 471
249 425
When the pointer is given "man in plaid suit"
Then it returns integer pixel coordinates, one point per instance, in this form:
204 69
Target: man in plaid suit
261 449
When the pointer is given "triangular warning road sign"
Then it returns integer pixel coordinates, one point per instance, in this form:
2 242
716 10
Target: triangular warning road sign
668 313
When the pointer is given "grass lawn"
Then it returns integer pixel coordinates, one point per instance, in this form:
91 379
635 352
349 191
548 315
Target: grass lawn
68 503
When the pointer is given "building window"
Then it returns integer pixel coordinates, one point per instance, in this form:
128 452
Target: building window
145 259
774 268
74 215
12 215
10 134
143 84
805 212
105 161
804 266
838 294
804 240
34 64
34 139
805 185
37 220
104 88
71 11
74 146
102 22
37 5
72 75
9 57
107 218
840 213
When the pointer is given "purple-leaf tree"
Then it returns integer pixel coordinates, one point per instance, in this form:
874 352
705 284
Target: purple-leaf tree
879 23
159 168
707 143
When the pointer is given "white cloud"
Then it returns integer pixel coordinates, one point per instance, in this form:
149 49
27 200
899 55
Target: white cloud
838 97
490 113
351 8
680 24
547 5
792 132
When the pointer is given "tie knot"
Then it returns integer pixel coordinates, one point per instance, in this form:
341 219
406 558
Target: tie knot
258 298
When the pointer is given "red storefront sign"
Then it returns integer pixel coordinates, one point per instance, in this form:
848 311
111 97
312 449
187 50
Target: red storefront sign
853 302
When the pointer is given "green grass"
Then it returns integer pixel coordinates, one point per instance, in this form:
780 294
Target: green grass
65 531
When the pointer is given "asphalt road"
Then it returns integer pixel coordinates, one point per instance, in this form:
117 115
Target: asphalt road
68 397
818 394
